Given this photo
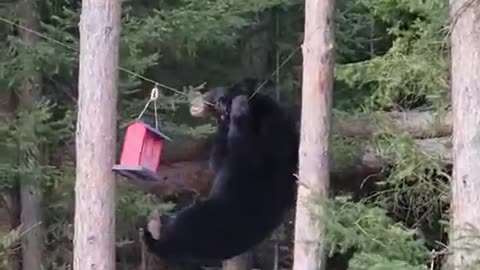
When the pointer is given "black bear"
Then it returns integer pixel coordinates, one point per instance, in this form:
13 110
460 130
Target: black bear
254 157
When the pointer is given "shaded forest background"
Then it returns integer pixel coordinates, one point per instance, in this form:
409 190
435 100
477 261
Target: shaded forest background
392 126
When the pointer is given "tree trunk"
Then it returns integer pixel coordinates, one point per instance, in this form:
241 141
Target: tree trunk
30 193
465 83
417 124
314 165
94 236
194 177
9 196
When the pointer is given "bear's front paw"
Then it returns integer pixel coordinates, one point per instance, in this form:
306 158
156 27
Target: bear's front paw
221 107
240 106
153 226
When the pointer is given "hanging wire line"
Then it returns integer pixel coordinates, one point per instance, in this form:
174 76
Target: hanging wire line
75 50
285 61
153 94
153 98
276 71
152 81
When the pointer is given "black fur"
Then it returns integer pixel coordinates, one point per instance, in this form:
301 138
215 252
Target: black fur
254 157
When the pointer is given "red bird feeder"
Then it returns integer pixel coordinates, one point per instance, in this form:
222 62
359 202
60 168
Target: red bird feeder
141 152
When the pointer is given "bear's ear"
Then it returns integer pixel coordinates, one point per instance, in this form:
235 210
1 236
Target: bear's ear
244 87
214 94
249 85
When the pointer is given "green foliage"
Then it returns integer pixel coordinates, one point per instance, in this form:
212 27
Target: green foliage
416 189
187 24
171 32
134 206
391 54
414 67
360 35
34 131
343 150
7 242
379 242
410 73
366 261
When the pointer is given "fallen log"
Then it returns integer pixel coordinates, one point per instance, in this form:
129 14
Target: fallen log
424 124
419 125
187 177
184 168
185 150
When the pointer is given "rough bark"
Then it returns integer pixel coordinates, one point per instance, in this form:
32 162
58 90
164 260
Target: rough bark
32 241
94 236
191 177
184 168
314 164
9 221
194 177
465 83
425 124
10 197
417 124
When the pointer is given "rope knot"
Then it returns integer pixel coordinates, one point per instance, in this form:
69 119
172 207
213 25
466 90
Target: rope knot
154 93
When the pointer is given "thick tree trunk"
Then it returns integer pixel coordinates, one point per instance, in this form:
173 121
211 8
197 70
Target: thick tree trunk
424 124
194 177
94 237
465 83
30 193
314 165
417 124
9 196
31 219
191 177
